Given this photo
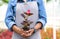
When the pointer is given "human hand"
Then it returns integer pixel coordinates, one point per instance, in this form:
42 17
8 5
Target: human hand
38 26
23 33
18 30
28 33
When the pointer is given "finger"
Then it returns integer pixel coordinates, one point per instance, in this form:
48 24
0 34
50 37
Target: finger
25 35
22 34
29 34
27 31
32 31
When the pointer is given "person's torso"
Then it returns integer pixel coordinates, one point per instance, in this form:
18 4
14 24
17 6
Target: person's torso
20 9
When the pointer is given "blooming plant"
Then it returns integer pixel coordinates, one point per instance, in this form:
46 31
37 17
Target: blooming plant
26 23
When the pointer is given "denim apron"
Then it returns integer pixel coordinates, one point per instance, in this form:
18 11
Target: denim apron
21 8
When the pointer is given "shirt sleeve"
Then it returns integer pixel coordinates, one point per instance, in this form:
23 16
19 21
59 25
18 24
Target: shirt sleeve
9 19
42 13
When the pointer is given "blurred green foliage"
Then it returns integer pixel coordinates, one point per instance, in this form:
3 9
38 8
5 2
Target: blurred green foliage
48 0
1 3
5 1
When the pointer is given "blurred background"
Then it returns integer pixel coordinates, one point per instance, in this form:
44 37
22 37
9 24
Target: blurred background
53 20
